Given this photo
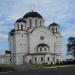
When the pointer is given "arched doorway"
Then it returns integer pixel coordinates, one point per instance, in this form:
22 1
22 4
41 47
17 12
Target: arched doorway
30 61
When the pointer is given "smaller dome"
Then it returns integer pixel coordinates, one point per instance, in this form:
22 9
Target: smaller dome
54 24
7 52
32 14
12 32
21 20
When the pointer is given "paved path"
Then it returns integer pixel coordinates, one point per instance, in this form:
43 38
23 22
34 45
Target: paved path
53 71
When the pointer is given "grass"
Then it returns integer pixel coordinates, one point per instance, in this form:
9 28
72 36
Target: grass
6 69
47 65
42 65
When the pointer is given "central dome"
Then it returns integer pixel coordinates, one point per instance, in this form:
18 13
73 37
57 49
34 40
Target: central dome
33 14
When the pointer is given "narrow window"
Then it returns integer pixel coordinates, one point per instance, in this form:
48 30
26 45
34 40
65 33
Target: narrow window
40 48
57 60
48 58
56 29
41 58
45 48
36 22
40 23
35 59
30 23
18 27
21 27
52 29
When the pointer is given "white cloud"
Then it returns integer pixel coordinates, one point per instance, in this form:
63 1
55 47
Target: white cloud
3 37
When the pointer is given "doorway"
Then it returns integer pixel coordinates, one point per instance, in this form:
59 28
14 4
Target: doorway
30 61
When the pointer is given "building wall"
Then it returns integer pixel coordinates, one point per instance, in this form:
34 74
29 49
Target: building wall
24 45
2 57
21 39
35 39
7 59
37 59
33 22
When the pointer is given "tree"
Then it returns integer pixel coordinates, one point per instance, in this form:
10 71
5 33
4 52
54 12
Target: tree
71 46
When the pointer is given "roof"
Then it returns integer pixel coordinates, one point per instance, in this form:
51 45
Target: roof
7 52
54 24
32 14
42 44
12 32
21 20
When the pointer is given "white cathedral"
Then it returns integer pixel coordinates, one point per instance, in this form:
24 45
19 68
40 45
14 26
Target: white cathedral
33 43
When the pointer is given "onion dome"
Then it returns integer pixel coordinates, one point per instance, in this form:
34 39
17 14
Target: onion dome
12 32
33 14
21 20
54 24
54 27
7 52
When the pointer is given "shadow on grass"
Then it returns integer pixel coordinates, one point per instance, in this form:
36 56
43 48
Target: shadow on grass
6 69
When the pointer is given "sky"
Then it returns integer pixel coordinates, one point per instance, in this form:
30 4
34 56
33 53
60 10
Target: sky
60 11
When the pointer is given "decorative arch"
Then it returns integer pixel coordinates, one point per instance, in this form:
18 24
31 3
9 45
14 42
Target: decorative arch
42 47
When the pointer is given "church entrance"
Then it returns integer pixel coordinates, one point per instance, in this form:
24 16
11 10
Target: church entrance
30 61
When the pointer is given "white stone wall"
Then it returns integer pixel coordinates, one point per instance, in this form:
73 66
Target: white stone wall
21 39
2 57
7 59
33 22
27 58
58 46
21 42
11 40
19 59
35 39
38 59
11 43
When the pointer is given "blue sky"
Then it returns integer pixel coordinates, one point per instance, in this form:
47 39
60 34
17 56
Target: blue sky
59 11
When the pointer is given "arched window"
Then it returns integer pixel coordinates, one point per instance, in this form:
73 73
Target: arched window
45 48
48 58
18 27
21 27
56 29
30 23
52 29
36 22
41 58
40 48
35 59
40 23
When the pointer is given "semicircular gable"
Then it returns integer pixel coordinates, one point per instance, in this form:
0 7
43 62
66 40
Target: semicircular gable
42 29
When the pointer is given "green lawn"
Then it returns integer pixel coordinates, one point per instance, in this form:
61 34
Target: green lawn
6 69
42 65
46 65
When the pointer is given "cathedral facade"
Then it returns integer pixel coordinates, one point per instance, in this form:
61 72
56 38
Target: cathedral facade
33 43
